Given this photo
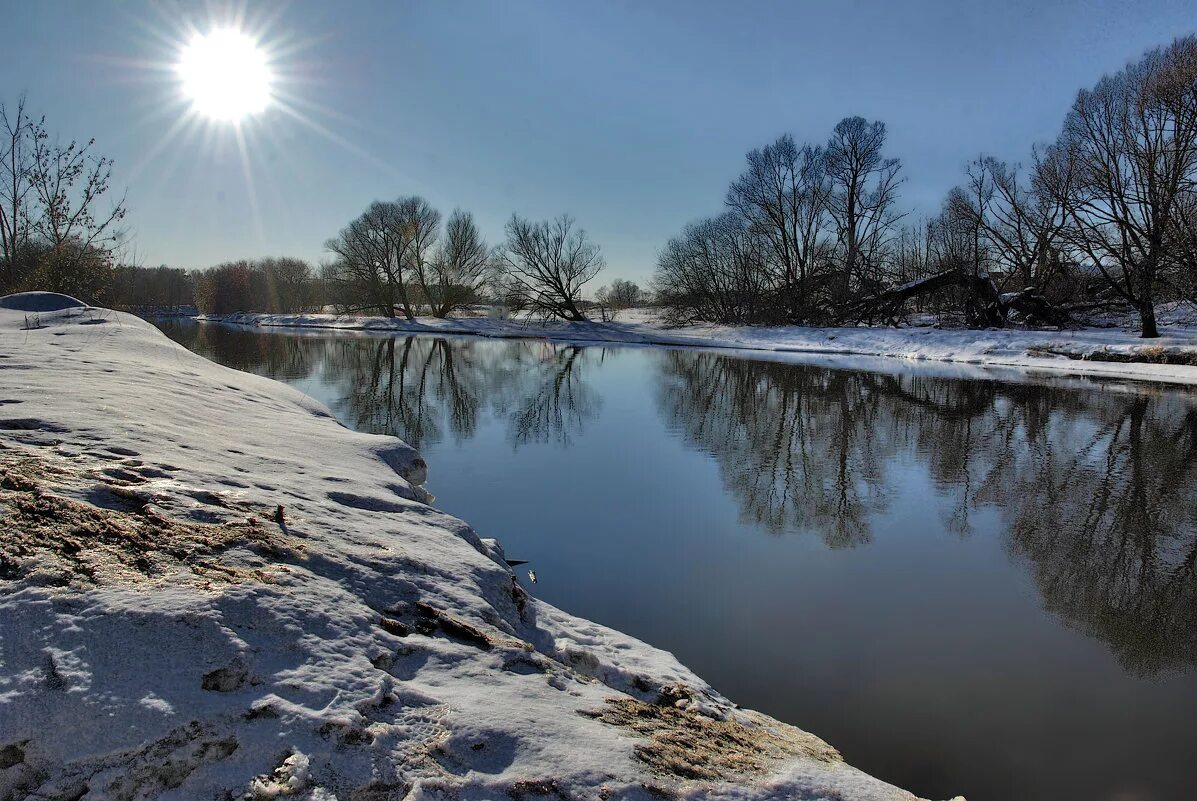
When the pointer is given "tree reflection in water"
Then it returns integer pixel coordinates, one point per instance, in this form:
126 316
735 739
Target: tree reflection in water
1095 488
417 387
543 393
799 447
421 389
413 388
246 349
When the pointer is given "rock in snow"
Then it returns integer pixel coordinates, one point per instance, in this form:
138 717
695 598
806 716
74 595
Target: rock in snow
166 633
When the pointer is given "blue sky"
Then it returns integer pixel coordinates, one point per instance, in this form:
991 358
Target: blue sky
632 116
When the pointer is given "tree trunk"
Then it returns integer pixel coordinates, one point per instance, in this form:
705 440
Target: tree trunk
572 314
1147 316
983 307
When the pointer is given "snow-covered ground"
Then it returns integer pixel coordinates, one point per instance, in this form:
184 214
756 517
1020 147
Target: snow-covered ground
1114 351
210 589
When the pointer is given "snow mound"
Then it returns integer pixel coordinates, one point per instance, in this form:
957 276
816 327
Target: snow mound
40 302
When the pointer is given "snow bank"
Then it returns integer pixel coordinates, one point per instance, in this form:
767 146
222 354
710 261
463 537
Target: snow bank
1106 352
210 589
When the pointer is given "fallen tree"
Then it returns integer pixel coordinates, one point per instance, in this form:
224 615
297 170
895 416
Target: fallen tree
984 306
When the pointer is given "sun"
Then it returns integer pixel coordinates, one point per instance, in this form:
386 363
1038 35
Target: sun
226 75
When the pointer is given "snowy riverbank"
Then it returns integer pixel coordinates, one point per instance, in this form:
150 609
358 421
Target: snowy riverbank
1104 352
210 589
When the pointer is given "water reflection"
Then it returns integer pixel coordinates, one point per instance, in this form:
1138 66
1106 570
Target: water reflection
1106 518
971 586
244 349
414 388
422 389
1095 488
547 398
800 447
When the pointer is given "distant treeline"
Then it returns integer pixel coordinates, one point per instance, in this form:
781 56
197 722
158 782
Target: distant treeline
168 289
1102 219
275 285
281 285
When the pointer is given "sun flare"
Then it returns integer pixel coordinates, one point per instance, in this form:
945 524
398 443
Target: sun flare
225 74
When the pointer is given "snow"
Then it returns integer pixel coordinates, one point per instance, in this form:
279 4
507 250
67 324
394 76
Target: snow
1111 352
211 589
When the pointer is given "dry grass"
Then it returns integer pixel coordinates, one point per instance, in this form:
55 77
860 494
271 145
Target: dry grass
56 540
688 745
1149 354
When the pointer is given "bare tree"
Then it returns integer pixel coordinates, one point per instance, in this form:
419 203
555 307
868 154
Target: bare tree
782 195
620 294
806 228
370 265
16 186
1124 168
394 255
1185 284
912 252
863 190
712 272
546 264
958 236
53 233
460 267
1020 222
417 228
67 180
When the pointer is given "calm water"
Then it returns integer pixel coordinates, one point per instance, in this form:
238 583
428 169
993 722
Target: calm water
976 587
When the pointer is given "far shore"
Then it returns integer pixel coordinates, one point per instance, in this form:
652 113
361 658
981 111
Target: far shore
1116 352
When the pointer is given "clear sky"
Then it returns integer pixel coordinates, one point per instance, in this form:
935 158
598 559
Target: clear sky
632 116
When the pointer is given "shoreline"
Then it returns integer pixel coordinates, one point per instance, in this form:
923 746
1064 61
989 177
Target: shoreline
262 602
1094 352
